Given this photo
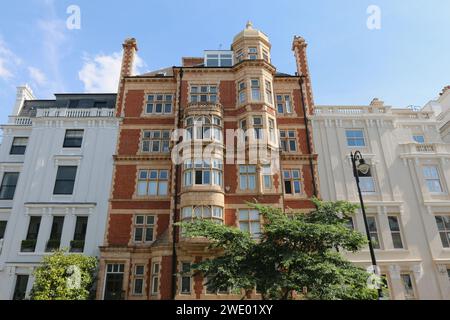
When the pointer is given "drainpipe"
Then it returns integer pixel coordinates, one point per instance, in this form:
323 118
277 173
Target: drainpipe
175 197
308 144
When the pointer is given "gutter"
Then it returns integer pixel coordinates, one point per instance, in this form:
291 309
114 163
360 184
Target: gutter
175 198
309 138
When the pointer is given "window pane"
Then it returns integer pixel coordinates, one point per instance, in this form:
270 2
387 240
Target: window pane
138 285
397 240
244 226
251 182
163 188
142 188
243 215
139 219
138 234
152 188
254 215
297 186
243 182
393 224
149 234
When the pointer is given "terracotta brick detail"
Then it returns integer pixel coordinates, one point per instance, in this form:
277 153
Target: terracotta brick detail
198 280
140 204
124 181
163 223
119 229
134 101
165 285
129 141
227 94
230 217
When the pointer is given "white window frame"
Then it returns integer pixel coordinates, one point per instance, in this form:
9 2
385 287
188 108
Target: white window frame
399 231
148 180
250 222
355 138
438 179
145 226
141 277
165 101
156 267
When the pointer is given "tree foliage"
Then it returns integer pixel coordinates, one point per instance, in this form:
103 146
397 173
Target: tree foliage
63 276
293 253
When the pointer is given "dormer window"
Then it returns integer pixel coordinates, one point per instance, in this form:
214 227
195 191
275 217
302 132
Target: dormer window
218 58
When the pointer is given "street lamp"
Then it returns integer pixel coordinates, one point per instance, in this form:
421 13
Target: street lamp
364 168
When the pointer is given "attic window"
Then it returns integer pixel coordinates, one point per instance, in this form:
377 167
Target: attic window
218 58
161 74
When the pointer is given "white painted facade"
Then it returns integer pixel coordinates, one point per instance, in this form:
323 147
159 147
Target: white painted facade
399 167
38 168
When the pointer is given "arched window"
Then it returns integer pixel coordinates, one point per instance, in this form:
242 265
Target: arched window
204 128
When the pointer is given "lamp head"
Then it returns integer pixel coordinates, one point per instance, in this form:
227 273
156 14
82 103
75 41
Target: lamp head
363 167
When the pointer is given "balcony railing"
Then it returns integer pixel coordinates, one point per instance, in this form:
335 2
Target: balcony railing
373 110
425 148
20 121
75 113
348 110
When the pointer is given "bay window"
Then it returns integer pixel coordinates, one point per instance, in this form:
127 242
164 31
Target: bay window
203 172
213 213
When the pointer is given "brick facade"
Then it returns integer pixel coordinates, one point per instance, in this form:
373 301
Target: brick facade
125 204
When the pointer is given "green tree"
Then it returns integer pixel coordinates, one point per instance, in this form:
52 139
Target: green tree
293 253
63 276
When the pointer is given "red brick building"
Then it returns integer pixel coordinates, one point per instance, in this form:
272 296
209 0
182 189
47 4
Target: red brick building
208 97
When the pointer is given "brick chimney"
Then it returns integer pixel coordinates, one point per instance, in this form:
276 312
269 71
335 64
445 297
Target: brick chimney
129 54
299 47
24 92
126 70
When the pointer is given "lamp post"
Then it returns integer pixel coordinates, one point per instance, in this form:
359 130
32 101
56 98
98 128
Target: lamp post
364 168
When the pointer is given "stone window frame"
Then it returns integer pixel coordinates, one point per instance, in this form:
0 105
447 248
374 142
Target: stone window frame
288 139
148 180
378 232
132 241
154 275
164 93
400 231
260 221
209 85
413 283
282 102
135 277
183 274
143 138
444 188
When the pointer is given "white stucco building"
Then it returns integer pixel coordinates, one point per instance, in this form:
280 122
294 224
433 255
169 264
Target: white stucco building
56 161
406 191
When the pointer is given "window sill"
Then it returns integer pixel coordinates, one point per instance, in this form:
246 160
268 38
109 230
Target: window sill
150 198
148 115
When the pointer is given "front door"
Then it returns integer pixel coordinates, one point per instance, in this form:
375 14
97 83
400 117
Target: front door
114 282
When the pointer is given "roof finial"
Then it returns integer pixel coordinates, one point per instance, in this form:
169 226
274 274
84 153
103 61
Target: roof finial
249 25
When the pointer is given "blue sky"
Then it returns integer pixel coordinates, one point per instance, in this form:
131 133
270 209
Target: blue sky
406 62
